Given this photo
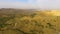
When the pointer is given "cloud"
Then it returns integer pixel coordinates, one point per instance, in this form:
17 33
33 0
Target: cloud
5 4
43 4
48 4
25 5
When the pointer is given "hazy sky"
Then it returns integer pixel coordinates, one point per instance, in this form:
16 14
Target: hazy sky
39 4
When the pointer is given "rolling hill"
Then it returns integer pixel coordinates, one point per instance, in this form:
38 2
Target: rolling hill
22 21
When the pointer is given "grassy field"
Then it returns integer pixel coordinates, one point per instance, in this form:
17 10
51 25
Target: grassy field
18 21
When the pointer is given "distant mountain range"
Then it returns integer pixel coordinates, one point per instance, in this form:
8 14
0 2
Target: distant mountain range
16 11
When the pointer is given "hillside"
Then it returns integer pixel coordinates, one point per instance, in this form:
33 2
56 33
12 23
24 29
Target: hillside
18 21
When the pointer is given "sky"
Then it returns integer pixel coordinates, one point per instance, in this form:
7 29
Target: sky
30 4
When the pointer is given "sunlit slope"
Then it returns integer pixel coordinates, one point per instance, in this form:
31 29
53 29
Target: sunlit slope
56 12
53 12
